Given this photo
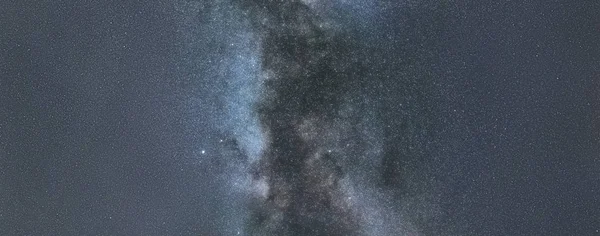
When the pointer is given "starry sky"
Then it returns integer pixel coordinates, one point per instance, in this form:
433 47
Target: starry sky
300 117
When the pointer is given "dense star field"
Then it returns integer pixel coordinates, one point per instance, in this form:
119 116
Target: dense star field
299 117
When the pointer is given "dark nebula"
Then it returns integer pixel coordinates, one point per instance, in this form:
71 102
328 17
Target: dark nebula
312 71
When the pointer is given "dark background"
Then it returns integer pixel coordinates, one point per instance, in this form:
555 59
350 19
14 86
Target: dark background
94 138
525 80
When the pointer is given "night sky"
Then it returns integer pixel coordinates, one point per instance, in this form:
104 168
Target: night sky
300 117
